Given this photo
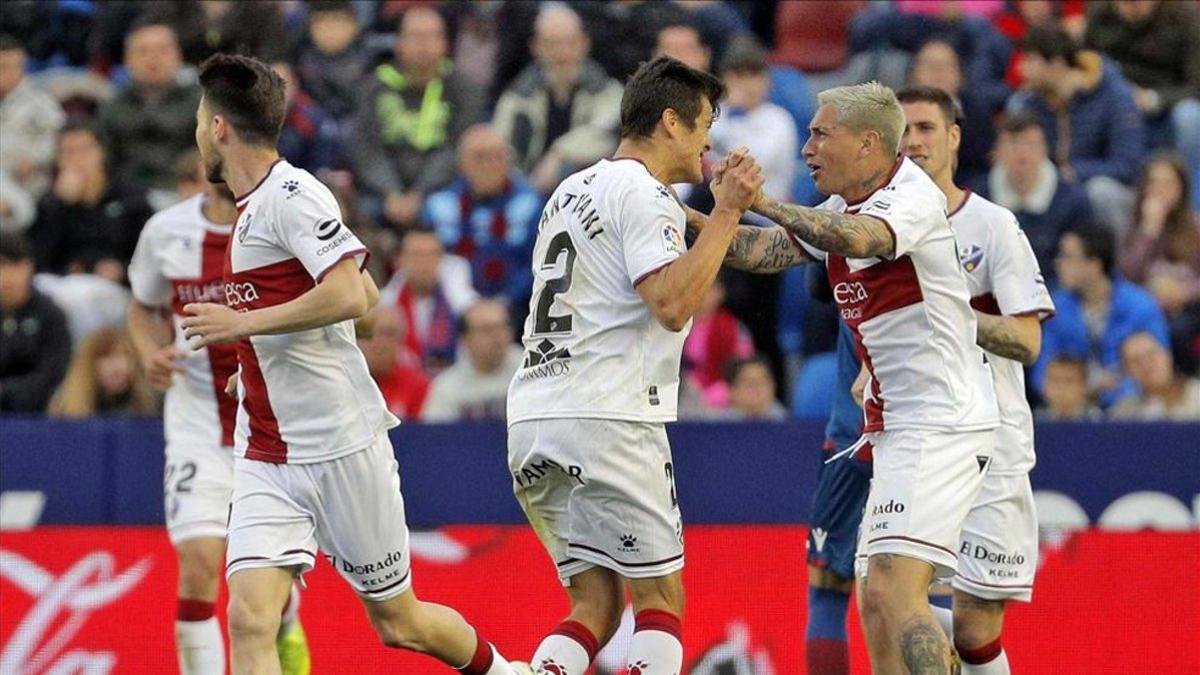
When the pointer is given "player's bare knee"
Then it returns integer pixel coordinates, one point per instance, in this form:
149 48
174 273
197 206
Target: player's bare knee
252 622
400 634
977 622
198 580
665 593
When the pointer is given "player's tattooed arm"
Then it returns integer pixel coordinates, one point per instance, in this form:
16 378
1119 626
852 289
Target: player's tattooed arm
764 250
1014 337
852 236
923 647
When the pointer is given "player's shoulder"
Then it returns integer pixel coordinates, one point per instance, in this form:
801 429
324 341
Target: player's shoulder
288 183
181 216
912 183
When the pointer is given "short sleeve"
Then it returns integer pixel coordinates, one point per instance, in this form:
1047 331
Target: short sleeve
651 225
911 217
1017 280
149 285
309 225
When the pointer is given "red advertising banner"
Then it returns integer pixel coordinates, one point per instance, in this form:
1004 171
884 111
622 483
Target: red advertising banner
102 600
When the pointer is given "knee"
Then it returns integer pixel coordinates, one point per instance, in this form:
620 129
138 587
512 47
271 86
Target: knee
977 624
197 578
665 593
398 628
249 622
874 603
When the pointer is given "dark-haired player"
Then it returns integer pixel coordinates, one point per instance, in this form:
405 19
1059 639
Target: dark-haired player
614 291
314 466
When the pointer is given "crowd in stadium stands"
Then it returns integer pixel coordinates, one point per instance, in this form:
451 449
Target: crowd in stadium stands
443 126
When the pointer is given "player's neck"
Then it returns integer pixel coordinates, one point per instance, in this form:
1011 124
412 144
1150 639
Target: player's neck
653 156
246 167
954 194
219 210
876 177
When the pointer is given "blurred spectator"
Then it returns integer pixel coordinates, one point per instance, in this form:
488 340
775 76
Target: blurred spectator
90 302
1157 45
1026 182
88 223
55 34
748 119
626 30
1087 111
476 386
681 41
310 138
105 378
333 63
395 369
410 118
1165 394
752 391
29 122
561 113
189 175
489 216
936 64
34 342
152 120
205 27
17 208
1096 312
1161 248
477 31
431 290
1066 392
1015 20
716 337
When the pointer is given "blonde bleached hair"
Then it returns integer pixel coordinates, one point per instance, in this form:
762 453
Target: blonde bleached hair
868 107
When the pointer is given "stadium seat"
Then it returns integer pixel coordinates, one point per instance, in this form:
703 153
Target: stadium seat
812 393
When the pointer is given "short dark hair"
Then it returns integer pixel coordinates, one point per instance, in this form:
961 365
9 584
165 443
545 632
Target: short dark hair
661 84
734 367
9 43
745 55
1019 122
331 7
1070 360
1099 243
1052 42
14 248
247 93
922 93
77 123
147 19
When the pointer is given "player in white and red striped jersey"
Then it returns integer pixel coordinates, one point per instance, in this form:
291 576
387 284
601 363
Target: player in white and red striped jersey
314 465
179 259
930 409
998 553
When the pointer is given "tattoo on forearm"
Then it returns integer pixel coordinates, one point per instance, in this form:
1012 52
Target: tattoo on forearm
923 646
763 250
847 235
1002 339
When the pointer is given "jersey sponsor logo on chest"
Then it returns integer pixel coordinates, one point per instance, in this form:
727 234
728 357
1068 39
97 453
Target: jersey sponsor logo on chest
240 293
850 294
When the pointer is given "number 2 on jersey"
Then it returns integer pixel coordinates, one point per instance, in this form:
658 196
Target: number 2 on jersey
543 322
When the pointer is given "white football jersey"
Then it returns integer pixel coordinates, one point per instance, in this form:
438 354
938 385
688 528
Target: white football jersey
180 258
911 315
305 396
1004 278
592 347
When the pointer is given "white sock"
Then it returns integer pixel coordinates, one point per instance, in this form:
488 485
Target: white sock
655 648
945 618
564 652
291 612
200 647
997 666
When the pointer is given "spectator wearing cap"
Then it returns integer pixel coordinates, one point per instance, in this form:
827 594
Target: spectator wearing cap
1164 394
89 222
410 118
29 122
1087 111
152 120
35 344
1026 182
476 386
488 215
1157 45
1097 310
561 113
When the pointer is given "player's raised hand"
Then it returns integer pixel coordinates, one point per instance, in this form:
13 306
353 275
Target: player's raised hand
161 365
740 184
212 323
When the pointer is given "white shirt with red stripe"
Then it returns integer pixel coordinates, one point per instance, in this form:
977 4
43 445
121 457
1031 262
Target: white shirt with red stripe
180 258
305 396
592 347
1004 279
911 314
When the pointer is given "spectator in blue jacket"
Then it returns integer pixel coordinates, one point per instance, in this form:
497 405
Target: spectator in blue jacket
1087 110
1096 311
488 215
310 138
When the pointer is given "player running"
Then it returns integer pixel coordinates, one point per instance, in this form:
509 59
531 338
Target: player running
930 408
314 465
179 259
615 288
997 557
